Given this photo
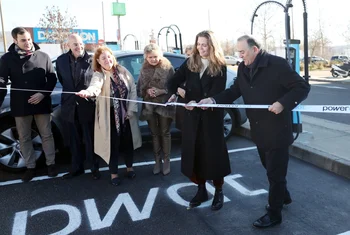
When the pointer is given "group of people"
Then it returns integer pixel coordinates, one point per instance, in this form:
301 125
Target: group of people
102 121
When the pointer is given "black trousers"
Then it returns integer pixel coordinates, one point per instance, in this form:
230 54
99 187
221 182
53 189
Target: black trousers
275 162
82 144
120 144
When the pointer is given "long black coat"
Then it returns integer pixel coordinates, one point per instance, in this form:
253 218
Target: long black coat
33 73
274 80
71 103
204 150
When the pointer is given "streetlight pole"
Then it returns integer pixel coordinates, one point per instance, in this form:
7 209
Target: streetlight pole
306 41
287 23
2 27
103 22
181 49
119 33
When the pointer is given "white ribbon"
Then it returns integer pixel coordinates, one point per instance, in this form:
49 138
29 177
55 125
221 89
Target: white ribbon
300 108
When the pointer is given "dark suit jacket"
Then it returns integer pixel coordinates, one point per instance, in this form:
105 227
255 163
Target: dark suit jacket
71 103
273 80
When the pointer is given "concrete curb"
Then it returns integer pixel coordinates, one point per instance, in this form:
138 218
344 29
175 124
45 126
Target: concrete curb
326 79
314 156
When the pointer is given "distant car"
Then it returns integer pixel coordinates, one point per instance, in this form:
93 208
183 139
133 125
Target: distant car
317 59
232 60
340 58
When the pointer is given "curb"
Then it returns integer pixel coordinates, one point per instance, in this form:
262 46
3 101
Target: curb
316 157
326 79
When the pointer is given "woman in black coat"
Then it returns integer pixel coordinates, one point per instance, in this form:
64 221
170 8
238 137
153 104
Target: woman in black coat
204 151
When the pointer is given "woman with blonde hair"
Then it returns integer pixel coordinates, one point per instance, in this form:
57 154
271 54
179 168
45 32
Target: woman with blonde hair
116 124
204 152
152 86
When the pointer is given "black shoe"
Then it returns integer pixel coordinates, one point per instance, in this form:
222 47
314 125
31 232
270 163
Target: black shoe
28 175
218 200
201 196
286 202
71 175
130 174
267 221
116 181
96 175
51 170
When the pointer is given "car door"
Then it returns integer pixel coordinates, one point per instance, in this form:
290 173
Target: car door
133 64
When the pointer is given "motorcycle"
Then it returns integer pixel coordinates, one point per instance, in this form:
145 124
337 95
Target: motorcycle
341 70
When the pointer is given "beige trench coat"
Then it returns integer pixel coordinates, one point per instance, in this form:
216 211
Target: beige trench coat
100 87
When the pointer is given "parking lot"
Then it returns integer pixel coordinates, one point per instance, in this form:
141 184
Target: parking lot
156 204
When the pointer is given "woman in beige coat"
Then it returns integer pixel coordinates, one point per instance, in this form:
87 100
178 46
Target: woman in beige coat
116 123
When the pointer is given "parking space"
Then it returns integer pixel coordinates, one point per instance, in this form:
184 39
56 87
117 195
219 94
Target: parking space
156 204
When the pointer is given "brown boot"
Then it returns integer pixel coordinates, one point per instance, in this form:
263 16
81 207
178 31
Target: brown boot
166 145
166 166
156 169
156 151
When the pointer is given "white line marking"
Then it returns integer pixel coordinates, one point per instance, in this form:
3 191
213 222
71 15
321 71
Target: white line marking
106 168
346 233
332 87
241 149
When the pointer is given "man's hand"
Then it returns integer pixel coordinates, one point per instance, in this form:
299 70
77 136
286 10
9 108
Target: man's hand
205 101
181 92
190 107
83 94
36 98
276 108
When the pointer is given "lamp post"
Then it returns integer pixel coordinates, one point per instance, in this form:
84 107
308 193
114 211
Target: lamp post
118 9
135 39
159 33
167 32
103 22
287 23
180 38
2 28
306 40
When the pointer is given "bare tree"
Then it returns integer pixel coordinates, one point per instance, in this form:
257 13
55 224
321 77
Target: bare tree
268 22
57 25
319 43
346 34
228 47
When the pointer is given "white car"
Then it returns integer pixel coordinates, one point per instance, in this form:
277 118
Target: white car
233 60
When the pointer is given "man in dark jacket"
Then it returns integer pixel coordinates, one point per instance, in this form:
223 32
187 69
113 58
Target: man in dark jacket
74 73
266 79
29 69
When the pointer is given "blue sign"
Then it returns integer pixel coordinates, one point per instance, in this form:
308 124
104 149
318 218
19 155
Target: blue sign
88 35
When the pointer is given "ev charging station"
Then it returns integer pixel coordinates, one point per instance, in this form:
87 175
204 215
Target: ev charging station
292 51
294 56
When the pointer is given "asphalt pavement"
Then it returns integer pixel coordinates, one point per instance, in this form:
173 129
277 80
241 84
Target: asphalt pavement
156 204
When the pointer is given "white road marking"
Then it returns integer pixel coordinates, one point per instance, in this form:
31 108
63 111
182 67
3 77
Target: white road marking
332 87
106 168
346 233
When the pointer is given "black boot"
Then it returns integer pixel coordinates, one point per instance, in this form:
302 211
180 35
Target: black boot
218 200
201 196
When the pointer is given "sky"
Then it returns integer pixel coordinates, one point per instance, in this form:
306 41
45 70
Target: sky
229 19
